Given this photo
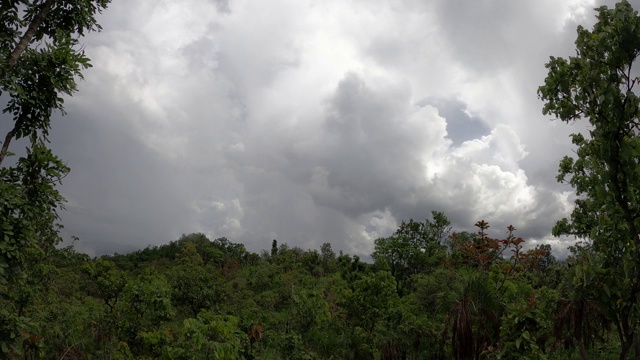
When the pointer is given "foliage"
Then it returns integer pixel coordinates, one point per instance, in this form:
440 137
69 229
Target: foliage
524 331
280 306
39 63
205 337
414 248
428 294
598 85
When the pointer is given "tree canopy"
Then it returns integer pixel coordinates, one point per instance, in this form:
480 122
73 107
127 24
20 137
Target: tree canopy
599 85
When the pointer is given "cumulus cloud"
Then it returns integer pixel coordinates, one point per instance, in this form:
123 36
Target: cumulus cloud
314 122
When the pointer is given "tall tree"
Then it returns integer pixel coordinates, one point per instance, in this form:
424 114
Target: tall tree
39 63
598 85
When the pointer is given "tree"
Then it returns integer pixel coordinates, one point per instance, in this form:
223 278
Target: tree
370 304
328 258
38 63
195 286
473 316
414 248
145 305
208 336
598 85
580 320
108 280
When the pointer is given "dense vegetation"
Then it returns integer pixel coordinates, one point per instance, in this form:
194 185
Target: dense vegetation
429 293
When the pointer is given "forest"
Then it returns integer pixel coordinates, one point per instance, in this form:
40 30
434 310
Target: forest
429 292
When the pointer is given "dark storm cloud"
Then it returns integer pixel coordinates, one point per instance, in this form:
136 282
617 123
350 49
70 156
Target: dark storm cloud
371 159
370 154
309 124
120 194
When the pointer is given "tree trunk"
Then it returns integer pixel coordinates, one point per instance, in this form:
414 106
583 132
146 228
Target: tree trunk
626 348
583 351
7 140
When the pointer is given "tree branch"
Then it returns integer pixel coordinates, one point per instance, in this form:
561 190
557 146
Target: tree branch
12 60
7 140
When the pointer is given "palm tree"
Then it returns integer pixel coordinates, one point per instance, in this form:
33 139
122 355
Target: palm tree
473 318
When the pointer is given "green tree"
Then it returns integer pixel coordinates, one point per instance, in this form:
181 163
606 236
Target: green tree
328 257
598 85
39 63
145 305
310 315
415 247
208 336
370 305
195 286
580 320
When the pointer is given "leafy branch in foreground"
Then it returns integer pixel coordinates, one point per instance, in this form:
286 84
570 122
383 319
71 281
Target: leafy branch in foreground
39 63
598 85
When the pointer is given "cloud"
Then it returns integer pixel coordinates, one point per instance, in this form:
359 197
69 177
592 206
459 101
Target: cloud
314 122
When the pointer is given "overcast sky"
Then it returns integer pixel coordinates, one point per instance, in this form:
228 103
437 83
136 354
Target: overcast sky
315 121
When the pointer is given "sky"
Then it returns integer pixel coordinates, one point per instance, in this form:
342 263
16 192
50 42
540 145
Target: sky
315 121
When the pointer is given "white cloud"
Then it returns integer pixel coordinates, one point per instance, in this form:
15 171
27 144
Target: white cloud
313 122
